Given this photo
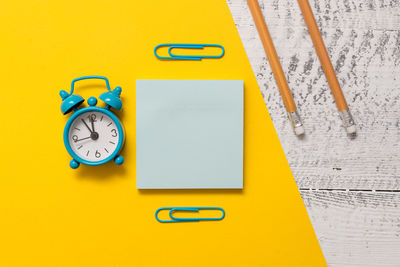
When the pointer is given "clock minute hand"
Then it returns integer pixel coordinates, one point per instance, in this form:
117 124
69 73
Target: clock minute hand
77 140
87 126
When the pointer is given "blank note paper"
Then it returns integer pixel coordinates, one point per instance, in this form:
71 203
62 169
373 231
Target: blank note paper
189 134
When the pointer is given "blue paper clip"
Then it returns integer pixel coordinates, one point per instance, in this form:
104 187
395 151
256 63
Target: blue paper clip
173 56
194 209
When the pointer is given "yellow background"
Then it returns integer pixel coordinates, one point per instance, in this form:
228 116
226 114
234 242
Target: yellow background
51 215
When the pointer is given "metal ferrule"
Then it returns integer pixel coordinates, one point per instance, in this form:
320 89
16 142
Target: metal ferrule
295 120
347 118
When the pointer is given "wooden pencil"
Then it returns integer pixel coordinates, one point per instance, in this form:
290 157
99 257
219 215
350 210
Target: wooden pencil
327 66
276 67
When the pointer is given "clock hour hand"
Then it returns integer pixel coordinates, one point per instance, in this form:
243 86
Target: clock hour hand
87 126
92 120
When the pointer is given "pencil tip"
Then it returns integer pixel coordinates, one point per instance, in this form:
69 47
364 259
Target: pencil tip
348 122
299 130
351 129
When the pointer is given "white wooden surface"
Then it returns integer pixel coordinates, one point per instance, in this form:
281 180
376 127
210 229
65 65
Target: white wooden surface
350 187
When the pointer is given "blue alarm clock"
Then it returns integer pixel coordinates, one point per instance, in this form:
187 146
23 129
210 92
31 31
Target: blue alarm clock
93 135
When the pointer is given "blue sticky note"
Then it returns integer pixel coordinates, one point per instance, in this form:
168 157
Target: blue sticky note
189 134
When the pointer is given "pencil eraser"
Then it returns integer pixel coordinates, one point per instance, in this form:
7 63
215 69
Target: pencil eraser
299 130
351 129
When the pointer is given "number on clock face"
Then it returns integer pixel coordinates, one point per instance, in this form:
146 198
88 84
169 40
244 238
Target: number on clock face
93 136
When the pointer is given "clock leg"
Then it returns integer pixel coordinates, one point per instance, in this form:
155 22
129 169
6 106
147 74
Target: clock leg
119 160
74 164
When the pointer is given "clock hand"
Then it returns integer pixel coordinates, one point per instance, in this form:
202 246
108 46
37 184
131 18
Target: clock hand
86 125
92 120
77 140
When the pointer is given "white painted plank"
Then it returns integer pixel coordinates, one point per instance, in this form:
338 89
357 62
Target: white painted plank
356 229
363 39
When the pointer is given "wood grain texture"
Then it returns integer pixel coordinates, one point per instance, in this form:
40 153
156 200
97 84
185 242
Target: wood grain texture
351 187
356 228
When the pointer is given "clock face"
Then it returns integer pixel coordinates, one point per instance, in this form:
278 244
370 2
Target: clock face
94 136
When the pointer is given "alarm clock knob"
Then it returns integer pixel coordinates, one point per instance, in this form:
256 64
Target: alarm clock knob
92 101
112 98
70 102
63 94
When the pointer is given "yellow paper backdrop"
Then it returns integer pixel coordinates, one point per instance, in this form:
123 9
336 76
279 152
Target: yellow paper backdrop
51 215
